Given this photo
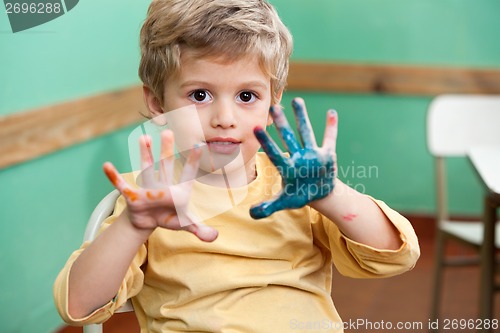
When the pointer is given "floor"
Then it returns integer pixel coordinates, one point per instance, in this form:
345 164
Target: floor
374 305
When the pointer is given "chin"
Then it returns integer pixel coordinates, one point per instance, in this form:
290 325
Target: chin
219 163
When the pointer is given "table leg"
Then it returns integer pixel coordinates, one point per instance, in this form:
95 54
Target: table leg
487 264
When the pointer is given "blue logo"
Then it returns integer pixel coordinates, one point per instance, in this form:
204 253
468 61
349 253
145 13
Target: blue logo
26 14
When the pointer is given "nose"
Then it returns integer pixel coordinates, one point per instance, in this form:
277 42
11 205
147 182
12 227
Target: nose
223 114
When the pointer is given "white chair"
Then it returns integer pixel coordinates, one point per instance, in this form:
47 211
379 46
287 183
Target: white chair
454 124
100 213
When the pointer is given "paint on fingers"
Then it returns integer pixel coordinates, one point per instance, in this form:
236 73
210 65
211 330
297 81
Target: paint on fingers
270 147
332 118
284 129
303 123
152 196
146 153
130 194
278 116
111 173
331 130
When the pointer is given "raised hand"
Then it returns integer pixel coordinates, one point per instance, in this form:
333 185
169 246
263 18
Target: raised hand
159 202
309 173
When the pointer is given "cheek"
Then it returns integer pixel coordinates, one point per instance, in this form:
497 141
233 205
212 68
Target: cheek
187 127
183 137
252 145
262 117
263 120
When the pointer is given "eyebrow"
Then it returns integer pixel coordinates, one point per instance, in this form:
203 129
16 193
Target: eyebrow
194 83
255 83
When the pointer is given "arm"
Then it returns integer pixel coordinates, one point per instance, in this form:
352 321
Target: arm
358 217
309 177
97 273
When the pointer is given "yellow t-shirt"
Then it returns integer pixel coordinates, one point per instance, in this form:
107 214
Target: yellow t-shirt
268 275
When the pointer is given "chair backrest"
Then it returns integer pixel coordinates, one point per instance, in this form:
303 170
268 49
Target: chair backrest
457 122
103 209
100 213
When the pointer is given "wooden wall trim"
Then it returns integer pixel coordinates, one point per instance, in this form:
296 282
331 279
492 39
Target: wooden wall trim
392 79
27 135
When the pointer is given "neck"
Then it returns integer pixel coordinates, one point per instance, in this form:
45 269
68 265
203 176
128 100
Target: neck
232 177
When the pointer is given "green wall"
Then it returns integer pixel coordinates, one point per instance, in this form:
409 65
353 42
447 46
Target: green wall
44 203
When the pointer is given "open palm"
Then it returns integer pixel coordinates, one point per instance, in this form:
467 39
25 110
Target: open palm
308 174
159 202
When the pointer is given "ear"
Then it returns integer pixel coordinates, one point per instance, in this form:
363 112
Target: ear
279 96
269 119
153 104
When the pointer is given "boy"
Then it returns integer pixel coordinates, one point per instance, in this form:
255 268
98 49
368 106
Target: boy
230 272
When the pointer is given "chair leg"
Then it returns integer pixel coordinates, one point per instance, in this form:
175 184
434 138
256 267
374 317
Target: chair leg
487 265
438 278
95 328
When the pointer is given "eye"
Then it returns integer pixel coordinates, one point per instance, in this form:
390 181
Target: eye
246 97
200 96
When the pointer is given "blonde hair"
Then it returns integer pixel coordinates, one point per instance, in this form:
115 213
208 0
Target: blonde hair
230 29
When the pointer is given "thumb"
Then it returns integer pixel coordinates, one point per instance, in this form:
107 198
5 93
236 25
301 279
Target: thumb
204 232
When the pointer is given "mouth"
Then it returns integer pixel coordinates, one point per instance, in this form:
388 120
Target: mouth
223 145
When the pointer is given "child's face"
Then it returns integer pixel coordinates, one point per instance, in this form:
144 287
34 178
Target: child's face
231 99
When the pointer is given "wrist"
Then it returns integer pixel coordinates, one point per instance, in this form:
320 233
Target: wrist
342 202
339 189
132 231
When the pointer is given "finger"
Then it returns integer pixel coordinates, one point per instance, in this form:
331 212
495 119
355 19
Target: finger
266 208
148 172
114 177
331 131
145 149
189 222
192 165
284 129
118 182
167 157
271 149
303 124
202 231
